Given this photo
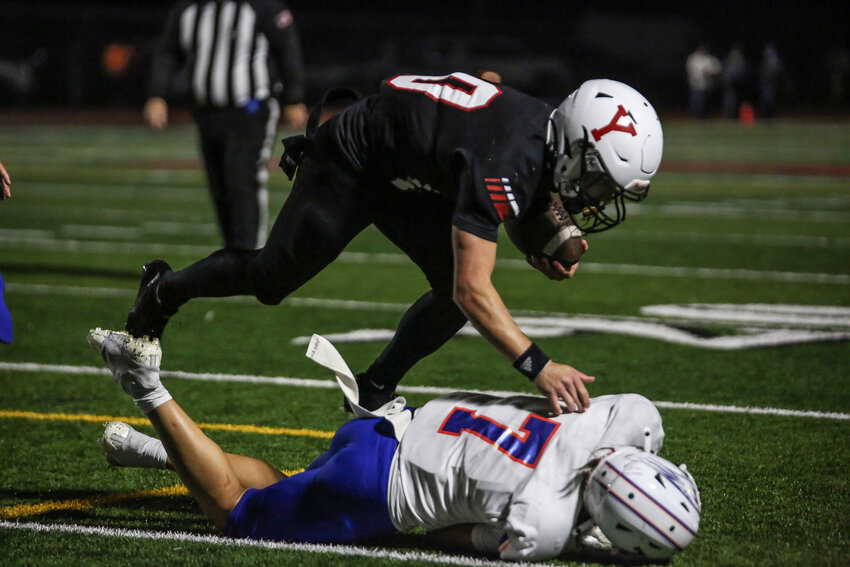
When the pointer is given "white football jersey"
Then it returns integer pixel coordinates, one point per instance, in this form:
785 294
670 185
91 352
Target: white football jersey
503 463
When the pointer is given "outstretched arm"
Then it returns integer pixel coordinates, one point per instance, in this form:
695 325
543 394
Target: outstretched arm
167 59
476 296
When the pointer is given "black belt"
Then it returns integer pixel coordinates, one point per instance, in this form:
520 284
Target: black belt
294 147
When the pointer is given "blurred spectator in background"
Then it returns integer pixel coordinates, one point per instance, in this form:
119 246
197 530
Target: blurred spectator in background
838 64
734 79
19 78
702 69
237 52
770 72
5 316
5 183
124 68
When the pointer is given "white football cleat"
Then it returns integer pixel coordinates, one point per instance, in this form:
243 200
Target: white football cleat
143 351
126 447
134 363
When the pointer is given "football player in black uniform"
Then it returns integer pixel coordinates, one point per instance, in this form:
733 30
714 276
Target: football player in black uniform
436 164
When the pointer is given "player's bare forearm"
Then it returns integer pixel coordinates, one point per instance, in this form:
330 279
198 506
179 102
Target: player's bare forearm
476 296
478 299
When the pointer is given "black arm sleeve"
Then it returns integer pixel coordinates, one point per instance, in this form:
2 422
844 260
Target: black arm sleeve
275 21
168 56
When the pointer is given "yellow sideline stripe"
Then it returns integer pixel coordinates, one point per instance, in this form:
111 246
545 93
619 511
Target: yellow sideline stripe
78 504
259 429
176 490
86 503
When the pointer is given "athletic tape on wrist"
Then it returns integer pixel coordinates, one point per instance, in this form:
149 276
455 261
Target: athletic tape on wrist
532 361
152 399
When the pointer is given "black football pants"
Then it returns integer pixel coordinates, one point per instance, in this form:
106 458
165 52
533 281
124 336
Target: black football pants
328 206
236 146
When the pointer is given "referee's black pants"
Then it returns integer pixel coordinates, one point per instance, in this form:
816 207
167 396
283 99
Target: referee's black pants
328 206
236 145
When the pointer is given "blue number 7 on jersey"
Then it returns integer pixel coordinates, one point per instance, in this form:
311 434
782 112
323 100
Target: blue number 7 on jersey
524 447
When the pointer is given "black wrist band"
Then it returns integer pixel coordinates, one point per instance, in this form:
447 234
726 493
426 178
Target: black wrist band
532 361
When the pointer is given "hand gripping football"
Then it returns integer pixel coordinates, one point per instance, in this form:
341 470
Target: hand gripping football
550 233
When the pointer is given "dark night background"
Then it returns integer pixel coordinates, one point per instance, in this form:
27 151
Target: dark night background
545 48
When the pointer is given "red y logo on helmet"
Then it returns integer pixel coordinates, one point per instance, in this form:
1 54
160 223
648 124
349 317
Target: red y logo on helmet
614 125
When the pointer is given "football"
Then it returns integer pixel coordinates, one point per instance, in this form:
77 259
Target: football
550 233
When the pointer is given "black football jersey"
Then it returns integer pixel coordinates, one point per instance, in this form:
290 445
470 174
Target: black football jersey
478 144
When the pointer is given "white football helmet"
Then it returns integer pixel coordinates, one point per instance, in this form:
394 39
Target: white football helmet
606 140
645 505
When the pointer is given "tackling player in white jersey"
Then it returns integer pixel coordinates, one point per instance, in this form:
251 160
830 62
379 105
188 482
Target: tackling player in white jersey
509 477
502 466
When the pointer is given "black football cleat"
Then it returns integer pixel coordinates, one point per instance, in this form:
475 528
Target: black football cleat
372 396
147 316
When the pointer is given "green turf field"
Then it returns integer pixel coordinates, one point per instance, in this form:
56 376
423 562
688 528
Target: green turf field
737 218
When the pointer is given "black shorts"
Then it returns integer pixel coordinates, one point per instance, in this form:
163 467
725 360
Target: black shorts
340 498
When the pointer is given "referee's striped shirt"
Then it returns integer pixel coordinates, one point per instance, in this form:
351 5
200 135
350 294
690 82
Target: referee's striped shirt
235 50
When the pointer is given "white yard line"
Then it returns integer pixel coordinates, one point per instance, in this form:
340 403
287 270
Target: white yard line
210 229
428 390
183 537
152 249
800 240
100 231
736 211
804 316
150 192
756 313
128 293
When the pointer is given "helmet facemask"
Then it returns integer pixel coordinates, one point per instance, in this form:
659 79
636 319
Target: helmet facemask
589 192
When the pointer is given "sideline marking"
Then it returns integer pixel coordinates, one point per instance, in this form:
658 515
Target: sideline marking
258 429
428 390
79 504
347 550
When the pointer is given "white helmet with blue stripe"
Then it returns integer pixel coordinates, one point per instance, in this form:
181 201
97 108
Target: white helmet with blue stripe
645 505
